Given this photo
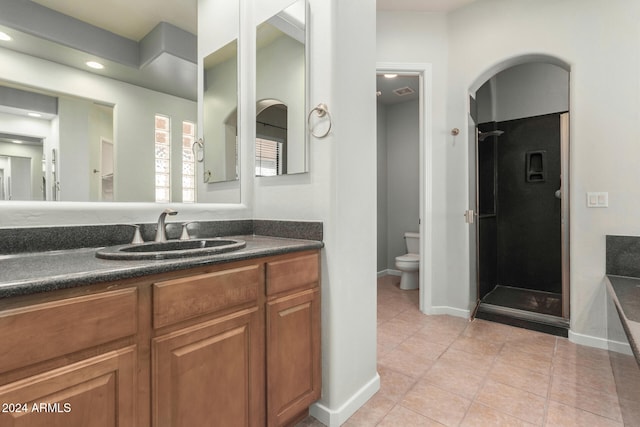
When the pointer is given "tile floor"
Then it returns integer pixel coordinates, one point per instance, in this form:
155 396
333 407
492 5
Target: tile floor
444 370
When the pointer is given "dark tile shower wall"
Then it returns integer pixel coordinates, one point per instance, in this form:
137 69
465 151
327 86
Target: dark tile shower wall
529 214
525 232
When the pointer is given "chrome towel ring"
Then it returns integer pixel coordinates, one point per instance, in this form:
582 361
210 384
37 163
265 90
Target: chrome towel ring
321 111
198 152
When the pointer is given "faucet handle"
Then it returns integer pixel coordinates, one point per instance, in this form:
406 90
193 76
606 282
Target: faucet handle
185 232
137 236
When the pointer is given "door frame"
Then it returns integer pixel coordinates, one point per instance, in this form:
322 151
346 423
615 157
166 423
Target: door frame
425 74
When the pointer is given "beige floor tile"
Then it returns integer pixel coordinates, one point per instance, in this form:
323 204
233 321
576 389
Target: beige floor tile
371 413
437 404
441 335
394 385
403 417
488 331
477 347
444 370
449 377
406 363
559 415
582 355
520 377
387 342
474 364
583 376
534 343
532 361
596 401
513 401
415 316
422 346
483 416
309 422
399 327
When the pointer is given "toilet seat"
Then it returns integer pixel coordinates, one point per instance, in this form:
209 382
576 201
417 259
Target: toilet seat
408 258
408 262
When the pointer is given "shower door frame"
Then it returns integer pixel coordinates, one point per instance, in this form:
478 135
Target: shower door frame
564 215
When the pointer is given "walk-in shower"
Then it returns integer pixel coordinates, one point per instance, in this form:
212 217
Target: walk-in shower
519 222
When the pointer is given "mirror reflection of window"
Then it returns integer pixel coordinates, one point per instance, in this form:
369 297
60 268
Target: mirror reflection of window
271 138
188 162
268 157
163 159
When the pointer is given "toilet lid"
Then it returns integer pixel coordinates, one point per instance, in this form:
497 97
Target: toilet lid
408 258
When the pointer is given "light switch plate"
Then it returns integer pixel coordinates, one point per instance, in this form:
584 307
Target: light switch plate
597 200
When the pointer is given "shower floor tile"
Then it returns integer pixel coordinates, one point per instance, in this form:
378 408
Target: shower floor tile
535 379
525 299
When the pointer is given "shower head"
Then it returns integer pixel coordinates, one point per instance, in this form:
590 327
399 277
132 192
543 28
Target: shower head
483 135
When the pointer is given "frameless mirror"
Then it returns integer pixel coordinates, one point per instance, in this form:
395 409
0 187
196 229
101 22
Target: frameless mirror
281 74
103 143
220 111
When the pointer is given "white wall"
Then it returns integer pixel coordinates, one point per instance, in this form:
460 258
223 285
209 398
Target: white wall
421 37
525 90
341 193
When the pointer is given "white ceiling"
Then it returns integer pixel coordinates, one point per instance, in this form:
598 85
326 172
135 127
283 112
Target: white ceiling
132 19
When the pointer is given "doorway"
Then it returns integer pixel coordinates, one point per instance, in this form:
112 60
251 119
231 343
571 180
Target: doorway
421 218
522 198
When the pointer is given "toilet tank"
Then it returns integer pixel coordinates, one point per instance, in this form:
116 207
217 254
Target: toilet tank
413 242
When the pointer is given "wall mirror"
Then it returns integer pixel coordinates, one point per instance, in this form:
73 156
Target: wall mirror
281 75
111 122
220 111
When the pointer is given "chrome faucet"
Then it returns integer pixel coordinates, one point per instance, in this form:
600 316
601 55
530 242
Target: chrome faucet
161 234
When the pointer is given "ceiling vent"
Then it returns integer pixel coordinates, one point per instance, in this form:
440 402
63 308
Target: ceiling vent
402 91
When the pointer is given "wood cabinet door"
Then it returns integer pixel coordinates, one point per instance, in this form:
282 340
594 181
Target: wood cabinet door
211 374
97 392
293 355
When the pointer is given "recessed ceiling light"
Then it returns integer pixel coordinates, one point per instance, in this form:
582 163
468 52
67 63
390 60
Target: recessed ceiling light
16 141
34 114
4 36
391 75
95 65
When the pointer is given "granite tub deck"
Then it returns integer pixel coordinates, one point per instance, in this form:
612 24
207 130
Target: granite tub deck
49 267
623 285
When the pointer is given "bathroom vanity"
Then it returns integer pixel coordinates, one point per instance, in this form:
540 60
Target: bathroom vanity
228 339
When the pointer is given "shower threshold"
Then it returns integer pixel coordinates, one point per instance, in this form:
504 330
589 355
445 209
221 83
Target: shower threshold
525 308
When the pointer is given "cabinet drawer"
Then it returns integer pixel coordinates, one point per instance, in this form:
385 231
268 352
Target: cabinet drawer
180 299
44 331
292 273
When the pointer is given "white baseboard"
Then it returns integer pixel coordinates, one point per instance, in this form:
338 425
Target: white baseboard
451 311
389 272
602 343
337 417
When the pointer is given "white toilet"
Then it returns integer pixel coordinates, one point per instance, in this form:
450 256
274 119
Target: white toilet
410 263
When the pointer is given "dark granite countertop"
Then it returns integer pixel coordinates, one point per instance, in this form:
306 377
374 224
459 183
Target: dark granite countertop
625 292
29 273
